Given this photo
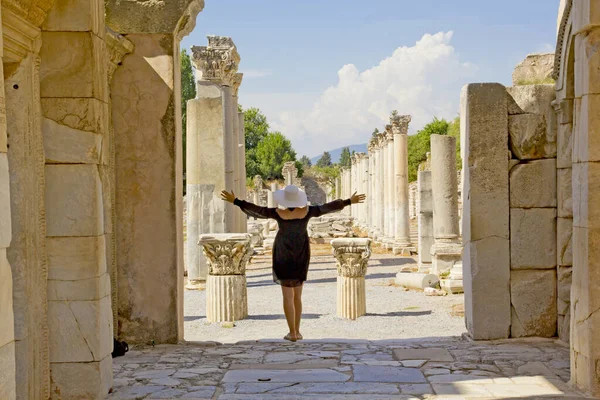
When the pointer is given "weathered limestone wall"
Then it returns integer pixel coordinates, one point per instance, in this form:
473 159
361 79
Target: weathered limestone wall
8 382
145 192
79 297
533 202
486 235
27 251
524 272
577 72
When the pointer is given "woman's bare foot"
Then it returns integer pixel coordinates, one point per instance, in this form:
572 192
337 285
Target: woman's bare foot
299 336
291 337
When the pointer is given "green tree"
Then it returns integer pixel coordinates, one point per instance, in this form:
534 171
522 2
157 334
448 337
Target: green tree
375 133
345 158
454 131
256 129
271 153
325 160
419 145
188 92
300 167
305 162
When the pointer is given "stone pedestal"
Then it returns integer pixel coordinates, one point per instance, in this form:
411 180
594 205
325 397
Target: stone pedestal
447 249
352 257
226 293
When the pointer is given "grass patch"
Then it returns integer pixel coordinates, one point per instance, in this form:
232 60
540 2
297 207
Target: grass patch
458 310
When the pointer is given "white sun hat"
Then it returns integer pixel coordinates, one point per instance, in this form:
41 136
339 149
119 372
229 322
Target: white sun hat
290 197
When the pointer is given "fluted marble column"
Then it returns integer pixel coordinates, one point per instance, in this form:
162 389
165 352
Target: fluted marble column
226 293
352 257
380 171
365 189
401 206
425 221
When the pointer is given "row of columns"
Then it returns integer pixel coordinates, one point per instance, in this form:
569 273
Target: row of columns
382 175
215 150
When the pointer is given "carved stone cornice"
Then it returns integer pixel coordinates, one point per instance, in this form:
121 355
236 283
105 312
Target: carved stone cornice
117 47
237 82
33 11
352 256
19 35
218 62
560 39
227 254
400 124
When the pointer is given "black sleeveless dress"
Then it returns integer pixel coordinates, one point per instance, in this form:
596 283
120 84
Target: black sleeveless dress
291 249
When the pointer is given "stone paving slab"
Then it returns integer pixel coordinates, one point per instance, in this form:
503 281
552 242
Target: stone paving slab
526 369
273 375
433 354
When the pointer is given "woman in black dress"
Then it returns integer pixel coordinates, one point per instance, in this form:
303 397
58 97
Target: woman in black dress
291 249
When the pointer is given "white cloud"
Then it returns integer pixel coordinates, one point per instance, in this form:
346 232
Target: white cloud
423 80
255 73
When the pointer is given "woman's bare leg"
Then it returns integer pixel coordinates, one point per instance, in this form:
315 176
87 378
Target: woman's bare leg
288 309
297 308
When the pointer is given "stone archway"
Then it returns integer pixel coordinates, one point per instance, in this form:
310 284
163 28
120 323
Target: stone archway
577 73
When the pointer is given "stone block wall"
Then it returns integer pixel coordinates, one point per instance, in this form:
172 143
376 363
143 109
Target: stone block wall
528 197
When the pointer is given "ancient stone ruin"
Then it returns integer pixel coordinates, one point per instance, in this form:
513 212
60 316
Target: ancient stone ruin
91 188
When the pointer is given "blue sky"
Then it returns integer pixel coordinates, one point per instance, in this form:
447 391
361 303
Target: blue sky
326 73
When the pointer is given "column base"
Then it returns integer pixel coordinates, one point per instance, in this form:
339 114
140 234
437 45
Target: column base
425 267
444 257
351 297
195 284
454 283
226 298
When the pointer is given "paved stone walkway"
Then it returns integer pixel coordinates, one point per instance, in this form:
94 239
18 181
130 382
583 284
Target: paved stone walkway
447 368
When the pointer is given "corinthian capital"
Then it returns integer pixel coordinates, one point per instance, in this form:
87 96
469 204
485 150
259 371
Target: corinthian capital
218 62
400 123
237 81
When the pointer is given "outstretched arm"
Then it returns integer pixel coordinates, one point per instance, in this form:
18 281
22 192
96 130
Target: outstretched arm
248 208
336 205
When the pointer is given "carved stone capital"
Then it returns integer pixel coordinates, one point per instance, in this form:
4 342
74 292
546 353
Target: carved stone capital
352 256
218 62
400 124
237 82
117 47
227 254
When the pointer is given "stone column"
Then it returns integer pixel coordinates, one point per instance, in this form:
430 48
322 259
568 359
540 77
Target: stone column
372 178
210 146
425 221
585 291
352 257
384 188
8 376
377 198
402 220
447 249
242 155
391 182
365 190
238 180
486 214
274 188
226 293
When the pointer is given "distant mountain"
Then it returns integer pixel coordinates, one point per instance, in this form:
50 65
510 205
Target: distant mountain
335 154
